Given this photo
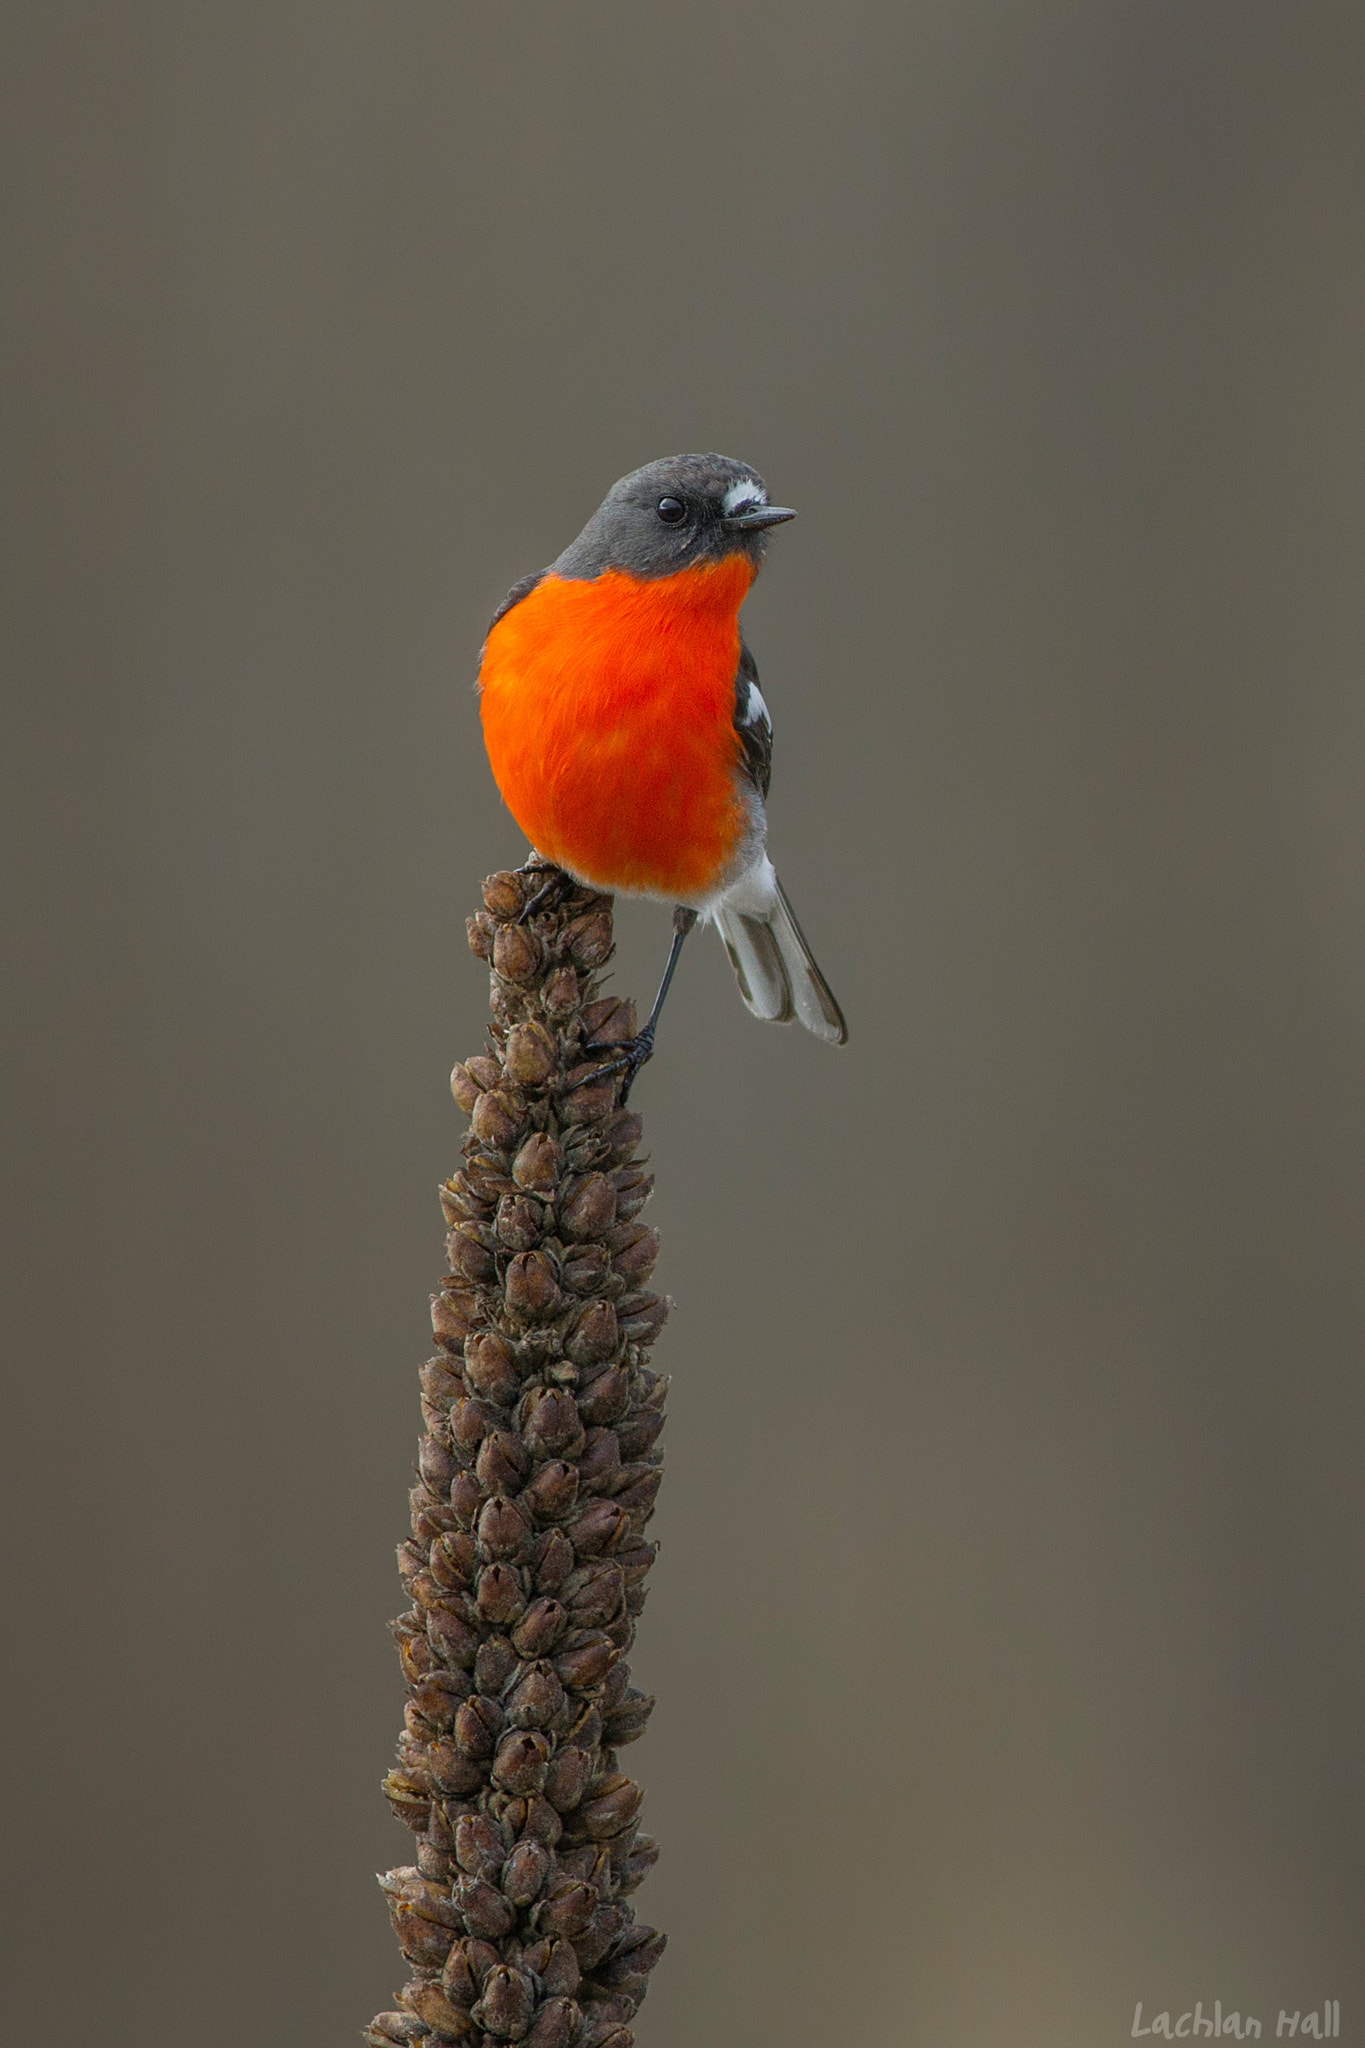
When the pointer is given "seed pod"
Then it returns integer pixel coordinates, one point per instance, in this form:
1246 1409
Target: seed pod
539 1628
587 1663
456 1775
441 1384
508 2001
590 940
467 1966
429 2003
538 1164
636 1258
638 1431
479 1849
644 1854
504 894
623 1134
609 1021
558 1971
607 1398
550 1423
537 1697
600 1462
435 1464
464 1088
553 1491
498 1118
525 1872
594 1335
516 954
610 1809
409 1799
531 1290
554 1560
500 1594
470 1422
614 1687
454 1314
451 1637
437 1697
603 1525
394 2030
422 1916
466 1498
519 1222
470 1260
502 1463
503 1529
521 1762
636 1487
479 930
586 1269
494 1665
597 1938
486 1912
452 1559
627 1722
478 1724
635 1557
567 1781
490 1368
590 1209
560 993
530 1055
603 2030
633 1189
642 1315
565 1909
594 1093
633 1957
594 1594
555 2025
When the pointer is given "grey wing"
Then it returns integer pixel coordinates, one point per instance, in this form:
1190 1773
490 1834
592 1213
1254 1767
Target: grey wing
753 726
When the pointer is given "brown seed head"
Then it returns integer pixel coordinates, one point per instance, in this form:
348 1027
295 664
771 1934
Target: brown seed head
490 1368
498 1118
530 1055
516 953
503 1529
521 1762
504 895
508 2001
519 1222
525 1872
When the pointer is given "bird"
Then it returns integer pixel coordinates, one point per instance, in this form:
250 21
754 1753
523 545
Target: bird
628 735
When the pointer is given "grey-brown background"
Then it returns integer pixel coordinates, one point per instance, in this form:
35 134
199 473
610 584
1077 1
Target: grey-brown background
1007 1630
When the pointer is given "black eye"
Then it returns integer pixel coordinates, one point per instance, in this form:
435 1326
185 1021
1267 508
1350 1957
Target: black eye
672 510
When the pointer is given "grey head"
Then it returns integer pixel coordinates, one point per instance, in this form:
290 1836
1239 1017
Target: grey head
678 513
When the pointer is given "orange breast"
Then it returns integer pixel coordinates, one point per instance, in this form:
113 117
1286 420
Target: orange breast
608 714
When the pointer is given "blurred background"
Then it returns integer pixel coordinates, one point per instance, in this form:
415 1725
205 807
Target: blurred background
1007 1628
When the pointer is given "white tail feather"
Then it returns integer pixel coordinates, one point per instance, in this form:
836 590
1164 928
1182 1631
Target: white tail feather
777 975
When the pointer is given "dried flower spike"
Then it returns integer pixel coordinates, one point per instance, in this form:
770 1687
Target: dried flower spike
537 1475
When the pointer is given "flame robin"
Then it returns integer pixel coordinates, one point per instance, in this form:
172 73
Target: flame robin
629 737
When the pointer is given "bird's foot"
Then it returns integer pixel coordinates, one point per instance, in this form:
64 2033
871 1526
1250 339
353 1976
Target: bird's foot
629 1060
554 884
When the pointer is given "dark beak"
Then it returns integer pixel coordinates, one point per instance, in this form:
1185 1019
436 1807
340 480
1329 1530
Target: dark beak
756 517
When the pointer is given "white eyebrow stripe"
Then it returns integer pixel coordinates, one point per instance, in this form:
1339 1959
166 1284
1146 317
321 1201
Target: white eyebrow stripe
744 493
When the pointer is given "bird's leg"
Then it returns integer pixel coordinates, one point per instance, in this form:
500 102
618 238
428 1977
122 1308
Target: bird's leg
640 1048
